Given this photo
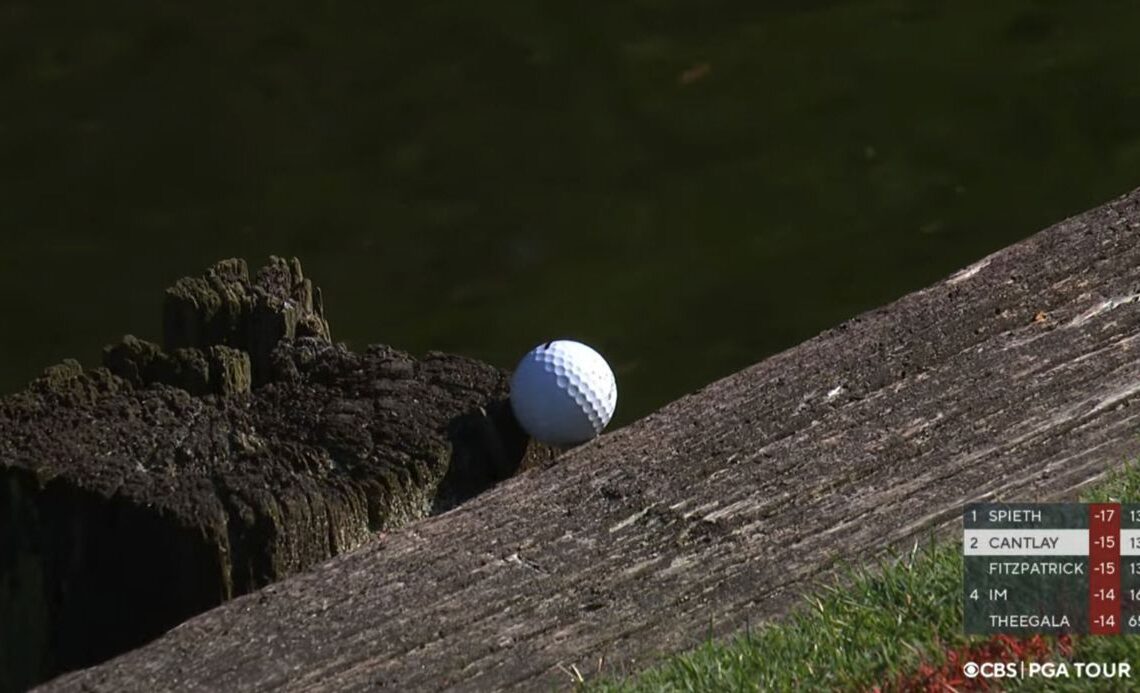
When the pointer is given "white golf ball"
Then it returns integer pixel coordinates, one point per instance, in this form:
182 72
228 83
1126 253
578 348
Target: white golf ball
563 392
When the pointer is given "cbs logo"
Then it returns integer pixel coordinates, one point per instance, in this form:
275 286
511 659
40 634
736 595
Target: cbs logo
991 670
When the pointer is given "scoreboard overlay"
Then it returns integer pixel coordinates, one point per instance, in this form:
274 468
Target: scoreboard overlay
1051 568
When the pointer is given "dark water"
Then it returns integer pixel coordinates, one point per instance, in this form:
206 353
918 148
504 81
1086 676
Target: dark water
688 186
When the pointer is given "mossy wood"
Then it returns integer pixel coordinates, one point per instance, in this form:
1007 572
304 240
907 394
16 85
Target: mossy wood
244 450
1016 378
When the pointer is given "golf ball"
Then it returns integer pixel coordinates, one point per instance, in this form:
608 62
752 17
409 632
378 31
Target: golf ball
563 392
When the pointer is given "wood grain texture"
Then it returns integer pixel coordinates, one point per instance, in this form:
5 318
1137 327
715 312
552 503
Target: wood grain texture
1016 378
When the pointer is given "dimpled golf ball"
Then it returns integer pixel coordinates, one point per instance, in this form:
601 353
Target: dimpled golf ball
563 393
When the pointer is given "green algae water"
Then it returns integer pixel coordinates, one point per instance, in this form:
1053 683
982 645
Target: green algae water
687 186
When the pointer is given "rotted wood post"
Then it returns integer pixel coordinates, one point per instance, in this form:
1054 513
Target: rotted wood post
245 449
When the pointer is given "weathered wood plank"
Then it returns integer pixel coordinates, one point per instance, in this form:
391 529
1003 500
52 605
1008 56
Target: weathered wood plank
1017 377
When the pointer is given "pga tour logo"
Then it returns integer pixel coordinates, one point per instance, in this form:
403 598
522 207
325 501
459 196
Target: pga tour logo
1048 670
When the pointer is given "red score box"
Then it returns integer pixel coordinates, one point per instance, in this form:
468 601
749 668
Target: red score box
1104 569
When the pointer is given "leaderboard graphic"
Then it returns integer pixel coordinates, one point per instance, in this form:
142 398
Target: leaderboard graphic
1052 568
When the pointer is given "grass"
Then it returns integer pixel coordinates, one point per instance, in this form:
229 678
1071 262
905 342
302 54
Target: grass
867 628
